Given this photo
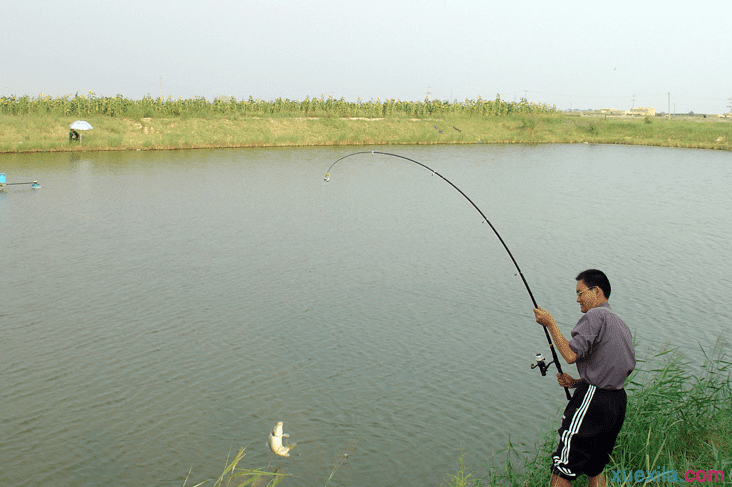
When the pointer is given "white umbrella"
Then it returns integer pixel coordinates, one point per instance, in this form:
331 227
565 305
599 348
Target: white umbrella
81 125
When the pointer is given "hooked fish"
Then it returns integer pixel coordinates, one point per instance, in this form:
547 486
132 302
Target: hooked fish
275 441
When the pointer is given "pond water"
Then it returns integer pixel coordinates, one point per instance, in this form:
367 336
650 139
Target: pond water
161 309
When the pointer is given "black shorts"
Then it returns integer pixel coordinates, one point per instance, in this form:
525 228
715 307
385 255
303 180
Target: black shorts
590 426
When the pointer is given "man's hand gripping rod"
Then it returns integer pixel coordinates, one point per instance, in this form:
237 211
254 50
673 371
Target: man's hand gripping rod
539 359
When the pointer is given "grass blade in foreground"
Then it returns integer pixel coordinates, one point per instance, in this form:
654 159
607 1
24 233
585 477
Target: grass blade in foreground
240 477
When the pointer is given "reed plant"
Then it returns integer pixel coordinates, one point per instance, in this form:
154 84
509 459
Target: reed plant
234 476
678 420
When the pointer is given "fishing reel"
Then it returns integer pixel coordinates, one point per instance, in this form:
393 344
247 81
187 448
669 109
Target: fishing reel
541 364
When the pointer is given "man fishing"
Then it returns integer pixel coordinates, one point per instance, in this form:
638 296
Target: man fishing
602 348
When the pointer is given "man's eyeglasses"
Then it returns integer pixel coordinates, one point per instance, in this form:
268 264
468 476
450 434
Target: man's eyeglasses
579 293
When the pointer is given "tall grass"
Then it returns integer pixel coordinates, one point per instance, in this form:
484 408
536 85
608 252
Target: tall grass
677 420
119 106
233 476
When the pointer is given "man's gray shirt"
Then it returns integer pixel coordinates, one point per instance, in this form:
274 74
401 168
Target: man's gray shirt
604 348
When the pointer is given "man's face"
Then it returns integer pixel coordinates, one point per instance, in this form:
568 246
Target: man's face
586 297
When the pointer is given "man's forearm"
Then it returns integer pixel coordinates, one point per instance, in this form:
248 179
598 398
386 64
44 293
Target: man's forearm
544 318
561 343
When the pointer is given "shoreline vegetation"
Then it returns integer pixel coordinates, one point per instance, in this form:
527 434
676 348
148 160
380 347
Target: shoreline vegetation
29 125
678 424
678 420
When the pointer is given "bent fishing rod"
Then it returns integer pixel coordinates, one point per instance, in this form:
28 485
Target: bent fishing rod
540 363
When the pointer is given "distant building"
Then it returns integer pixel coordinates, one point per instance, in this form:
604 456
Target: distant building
642 112
633 112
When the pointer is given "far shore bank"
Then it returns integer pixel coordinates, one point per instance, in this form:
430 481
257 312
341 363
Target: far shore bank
50 133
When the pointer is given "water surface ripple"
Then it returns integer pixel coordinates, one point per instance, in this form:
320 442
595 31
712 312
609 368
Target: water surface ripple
161 309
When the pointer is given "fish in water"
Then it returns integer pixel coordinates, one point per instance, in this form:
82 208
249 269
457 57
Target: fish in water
275 441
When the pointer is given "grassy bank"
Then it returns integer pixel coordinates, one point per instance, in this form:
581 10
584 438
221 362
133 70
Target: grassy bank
677 420
42 132
42 124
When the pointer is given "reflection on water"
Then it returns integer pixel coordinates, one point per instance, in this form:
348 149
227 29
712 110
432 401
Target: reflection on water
160 309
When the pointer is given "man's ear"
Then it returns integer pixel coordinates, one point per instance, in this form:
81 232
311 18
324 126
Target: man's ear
600 293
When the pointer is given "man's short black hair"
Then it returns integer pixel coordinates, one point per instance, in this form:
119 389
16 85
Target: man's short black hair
594 277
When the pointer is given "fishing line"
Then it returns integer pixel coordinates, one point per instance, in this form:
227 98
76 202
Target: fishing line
540 363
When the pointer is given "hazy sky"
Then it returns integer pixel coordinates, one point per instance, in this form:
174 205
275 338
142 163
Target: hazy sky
574 54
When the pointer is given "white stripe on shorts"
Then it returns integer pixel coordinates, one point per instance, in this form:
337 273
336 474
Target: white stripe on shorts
577 418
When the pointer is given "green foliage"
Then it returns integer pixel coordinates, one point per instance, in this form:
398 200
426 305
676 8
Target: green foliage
114 141
118 106
528 123
590 126
462 478
677 418
241 477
